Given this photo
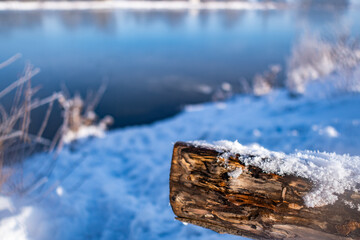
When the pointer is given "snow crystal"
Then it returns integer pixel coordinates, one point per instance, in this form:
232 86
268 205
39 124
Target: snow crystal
84 132
236 173
331 173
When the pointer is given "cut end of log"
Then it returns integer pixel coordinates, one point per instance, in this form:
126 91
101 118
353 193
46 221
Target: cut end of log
227 196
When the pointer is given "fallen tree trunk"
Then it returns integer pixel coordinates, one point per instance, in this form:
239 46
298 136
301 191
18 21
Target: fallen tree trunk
228 197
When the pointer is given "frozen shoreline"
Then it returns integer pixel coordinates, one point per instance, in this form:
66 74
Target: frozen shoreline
117 187
136 5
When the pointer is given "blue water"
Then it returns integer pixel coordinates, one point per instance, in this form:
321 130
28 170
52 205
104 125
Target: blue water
154 62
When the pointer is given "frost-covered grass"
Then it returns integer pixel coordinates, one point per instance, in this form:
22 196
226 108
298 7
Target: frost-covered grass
16 140
117 187
325 67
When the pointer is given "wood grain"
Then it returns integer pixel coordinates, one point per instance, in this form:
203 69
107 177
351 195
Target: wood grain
204 192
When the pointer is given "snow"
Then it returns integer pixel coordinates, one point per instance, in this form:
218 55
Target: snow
328 130
323 67
335 84
331 174
85 132
226 86
236 173
136 5
116 187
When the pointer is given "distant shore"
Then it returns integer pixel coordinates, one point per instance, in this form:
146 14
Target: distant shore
141 5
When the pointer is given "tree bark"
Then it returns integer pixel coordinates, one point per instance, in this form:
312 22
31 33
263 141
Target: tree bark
228 197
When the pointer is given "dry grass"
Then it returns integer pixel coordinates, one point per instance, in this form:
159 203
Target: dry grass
264 83
315 57
16 142
79 115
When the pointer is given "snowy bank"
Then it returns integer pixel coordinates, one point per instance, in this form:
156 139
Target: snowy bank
117 187
141 5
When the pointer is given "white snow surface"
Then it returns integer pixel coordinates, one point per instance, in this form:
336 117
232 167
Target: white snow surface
117 187
85 132
136 5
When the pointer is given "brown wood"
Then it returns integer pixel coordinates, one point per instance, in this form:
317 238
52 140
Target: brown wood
254 204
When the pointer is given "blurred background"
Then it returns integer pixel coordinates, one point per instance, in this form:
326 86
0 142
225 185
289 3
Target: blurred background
155 61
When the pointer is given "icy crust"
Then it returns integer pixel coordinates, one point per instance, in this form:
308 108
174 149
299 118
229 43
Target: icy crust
331 174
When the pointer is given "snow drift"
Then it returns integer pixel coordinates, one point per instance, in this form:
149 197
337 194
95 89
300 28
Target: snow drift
117 187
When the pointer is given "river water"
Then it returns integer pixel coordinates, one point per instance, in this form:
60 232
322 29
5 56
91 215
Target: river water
156 61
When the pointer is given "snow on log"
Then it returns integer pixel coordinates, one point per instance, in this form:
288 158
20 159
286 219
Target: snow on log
258 194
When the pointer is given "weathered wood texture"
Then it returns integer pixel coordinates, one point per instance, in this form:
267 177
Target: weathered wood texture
253 204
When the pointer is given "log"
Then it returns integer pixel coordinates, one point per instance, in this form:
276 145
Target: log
226 196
